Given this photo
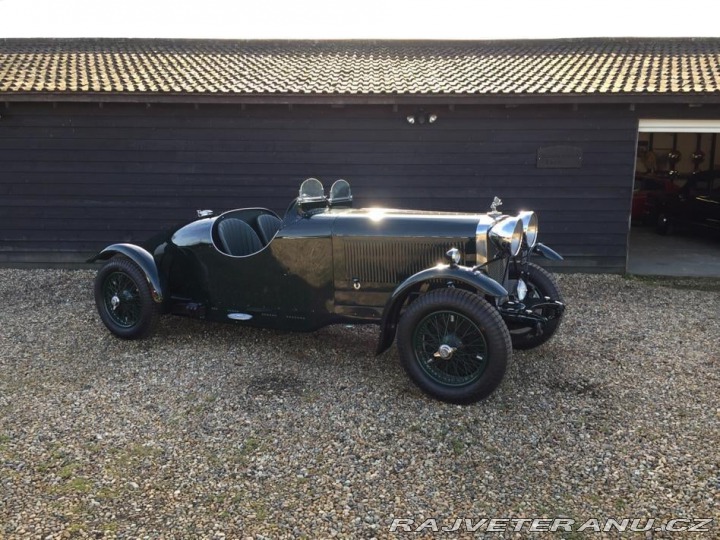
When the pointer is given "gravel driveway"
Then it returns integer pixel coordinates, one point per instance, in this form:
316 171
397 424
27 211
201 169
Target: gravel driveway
211 431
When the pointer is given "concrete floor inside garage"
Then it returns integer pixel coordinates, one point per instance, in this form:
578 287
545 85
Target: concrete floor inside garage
685 146
682 254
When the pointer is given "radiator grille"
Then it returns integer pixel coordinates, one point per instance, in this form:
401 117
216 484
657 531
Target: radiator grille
383 261
496 269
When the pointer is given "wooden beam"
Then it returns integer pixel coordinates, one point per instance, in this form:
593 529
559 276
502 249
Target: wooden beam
713 144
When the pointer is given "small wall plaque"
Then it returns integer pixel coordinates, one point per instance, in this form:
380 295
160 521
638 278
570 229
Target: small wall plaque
559 157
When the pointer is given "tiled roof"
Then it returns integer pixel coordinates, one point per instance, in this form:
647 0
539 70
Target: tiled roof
618 68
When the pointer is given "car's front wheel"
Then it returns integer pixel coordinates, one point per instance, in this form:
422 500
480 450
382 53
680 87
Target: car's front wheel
540 284
124 299
454 345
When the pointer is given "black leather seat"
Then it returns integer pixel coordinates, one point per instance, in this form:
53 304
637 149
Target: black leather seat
267 225
238 238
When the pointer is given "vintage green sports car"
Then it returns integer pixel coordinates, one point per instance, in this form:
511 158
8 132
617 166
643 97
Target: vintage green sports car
456 290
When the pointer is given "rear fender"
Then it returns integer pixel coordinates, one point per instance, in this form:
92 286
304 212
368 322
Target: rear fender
142 258
452 274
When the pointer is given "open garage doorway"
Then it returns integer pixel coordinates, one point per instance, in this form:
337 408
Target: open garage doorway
675 221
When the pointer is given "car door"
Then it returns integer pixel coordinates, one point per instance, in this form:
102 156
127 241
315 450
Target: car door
303 253
248 285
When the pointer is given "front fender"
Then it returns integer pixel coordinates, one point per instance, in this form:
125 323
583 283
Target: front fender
142 258
458 274
547 252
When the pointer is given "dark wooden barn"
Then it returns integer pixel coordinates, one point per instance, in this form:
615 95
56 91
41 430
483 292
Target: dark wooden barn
111 140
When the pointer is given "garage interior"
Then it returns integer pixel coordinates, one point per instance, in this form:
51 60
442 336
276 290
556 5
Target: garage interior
671 151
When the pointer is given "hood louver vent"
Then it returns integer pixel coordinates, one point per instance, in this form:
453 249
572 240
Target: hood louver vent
383 261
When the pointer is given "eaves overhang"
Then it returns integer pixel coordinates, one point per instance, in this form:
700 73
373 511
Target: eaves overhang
275 98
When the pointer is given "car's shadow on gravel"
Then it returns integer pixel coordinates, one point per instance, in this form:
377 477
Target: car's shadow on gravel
280 363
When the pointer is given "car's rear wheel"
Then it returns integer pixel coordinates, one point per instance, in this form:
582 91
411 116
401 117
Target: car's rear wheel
540 284
454 345
124 299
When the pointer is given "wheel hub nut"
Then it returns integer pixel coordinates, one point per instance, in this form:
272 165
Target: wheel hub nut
115 302
445 352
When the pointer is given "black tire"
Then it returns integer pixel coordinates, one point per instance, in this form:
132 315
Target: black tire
124 299
663 226
475 337
540 283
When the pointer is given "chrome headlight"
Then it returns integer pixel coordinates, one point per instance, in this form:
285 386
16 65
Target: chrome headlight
508 234
530 226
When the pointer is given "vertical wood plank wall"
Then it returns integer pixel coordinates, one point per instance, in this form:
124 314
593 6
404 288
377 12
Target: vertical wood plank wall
76 177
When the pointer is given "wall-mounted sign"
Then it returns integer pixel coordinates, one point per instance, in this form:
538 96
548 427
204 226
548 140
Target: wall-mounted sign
559 157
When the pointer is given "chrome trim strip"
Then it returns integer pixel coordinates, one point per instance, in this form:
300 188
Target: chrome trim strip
239 316
481 238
